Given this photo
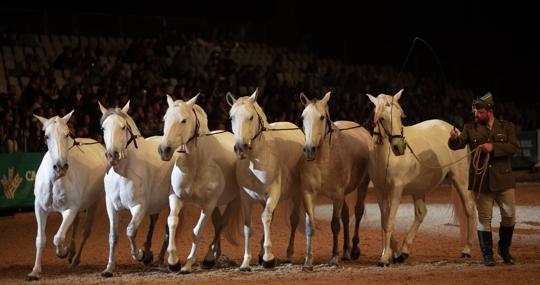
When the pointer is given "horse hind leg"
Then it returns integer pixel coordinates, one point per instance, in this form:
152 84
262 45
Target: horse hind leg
214 250
467 218
87 229
345 221
159 262
336 211
294 220
72 248
148 256
420 211
358 214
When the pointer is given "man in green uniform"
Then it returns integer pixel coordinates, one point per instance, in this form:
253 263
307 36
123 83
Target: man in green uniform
497 140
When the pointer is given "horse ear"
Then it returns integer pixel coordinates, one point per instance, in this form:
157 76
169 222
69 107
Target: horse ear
253 97
193 100
170 100
398 95
125 109
304 99
372 99
230 99
41 119
66 117
102 108
326 97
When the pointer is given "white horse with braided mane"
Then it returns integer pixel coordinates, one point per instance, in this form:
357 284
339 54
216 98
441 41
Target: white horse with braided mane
337 160
204 175
69 180
267 170
138 181
396 170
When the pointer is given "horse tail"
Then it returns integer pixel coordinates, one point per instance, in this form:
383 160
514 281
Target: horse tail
232 219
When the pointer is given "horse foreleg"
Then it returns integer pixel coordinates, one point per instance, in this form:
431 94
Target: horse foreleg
294 225
214 250
269 261
197 231
159 261
310 230
420 212
137 215
41 219
336 211
88 222
345 221
113 238
388 212
358 213
246 207
148 255
67 219
175 205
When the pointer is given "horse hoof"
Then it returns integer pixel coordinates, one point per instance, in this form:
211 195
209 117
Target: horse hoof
208 264
401 258
466 255
261 261
307 268
382 264
269 264
355 253
62 255
174 267
106 274
148 258
185 272
245 269
140 256
32 278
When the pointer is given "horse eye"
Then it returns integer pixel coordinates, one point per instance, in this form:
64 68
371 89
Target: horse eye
124 127
322 118
251 118
183 121
46 137
67 135
382 119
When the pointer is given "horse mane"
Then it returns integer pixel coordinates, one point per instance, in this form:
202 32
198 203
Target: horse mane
383 100
55 119
244 101
129 120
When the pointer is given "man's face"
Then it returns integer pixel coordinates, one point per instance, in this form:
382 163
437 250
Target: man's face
481 115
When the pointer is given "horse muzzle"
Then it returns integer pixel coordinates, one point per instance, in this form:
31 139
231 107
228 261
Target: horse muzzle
240 150
165 152
309 152
398 145
60 169
113 157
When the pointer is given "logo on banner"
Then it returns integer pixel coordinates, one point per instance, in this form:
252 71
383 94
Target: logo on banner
11 183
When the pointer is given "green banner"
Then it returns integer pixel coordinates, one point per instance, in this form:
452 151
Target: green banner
17 175
527 155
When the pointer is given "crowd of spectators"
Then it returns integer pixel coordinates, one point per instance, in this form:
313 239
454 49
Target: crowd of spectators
212 65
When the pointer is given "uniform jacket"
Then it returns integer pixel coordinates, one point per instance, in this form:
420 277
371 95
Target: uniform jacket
503 137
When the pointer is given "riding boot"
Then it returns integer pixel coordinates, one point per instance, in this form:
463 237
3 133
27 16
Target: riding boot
486 244
505 239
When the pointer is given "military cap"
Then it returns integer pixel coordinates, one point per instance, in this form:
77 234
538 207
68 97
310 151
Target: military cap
485 102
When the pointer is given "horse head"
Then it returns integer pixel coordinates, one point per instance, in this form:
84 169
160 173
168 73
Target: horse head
181 125
316 122
388 114
57 137
118 131
247 121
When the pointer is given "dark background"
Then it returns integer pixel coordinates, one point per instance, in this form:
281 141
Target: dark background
480 46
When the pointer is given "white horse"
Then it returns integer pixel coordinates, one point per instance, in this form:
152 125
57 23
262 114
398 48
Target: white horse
337 160
204 175
395 171
68 192
267 169
138 181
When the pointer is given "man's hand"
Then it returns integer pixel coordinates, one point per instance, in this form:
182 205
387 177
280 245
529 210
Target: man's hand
487 147
454 134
